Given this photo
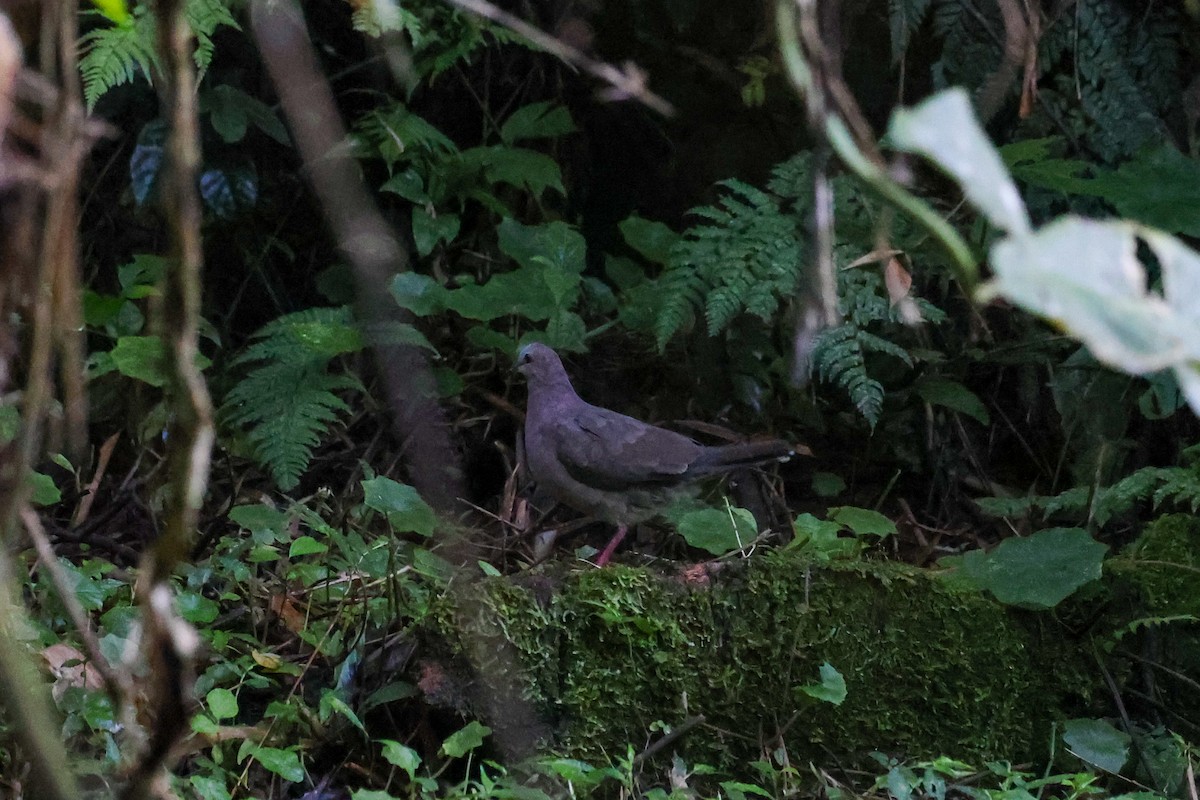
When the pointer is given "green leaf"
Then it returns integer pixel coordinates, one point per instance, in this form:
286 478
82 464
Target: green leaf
653 240
408 184
306 546
196 608
735 790
954 396
284 763
542 120
526 169
718 531
945 130
231 111
259 517
429 230
43 491
208 787
831 689
818 539
554 244
1098 743
405 509
399 755
222 703
827 484
141 357
1158 187
144 358
331 704
459 743
863 521
1037 571
418 293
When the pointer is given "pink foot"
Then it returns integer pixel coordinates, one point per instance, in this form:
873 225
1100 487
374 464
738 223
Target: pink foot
607 553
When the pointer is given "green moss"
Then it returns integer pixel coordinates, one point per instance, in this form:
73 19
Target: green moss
929 670
1164 564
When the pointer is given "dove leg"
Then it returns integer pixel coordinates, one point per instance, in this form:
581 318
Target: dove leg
611 547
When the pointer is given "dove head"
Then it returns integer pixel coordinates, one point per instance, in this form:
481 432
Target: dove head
541 366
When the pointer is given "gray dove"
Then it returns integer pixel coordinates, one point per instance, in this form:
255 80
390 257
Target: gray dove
610 466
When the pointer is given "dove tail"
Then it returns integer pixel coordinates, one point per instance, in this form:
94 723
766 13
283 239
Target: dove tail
744 454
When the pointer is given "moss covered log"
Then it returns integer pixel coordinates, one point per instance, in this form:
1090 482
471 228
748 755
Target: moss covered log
587 662
602 655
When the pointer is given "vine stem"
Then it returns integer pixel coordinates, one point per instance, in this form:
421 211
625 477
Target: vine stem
834 129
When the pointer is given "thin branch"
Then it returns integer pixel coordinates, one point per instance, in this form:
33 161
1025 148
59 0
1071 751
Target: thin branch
116 683
627 83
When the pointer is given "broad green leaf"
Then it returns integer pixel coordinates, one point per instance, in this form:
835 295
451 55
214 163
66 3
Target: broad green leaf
284 763
736 790
208 787
945 130
954 396
196 608
259 517
418 293
405 509
542 120
831 689
222 703
399 755
718 531
653 240
141 357
559 244
526 169
306 546
100 309
1031 161
819 539
1098 743
522 292
391 332
231 111
566 331
429 231
44 492
827 484
1037 571
1159 187
461 742
431 565
408 184
863 521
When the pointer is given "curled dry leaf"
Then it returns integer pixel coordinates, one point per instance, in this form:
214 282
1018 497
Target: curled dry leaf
70 669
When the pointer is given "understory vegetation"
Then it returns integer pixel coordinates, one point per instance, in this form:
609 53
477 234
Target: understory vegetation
946 250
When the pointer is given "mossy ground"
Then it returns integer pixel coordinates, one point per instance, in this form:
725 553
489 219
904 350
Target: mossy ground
599 656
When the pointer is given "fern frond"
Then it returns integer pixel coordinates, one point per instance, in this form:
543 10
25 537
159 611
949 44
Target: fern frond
115 56
742 258
204 17
838 358
905 17
287 402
